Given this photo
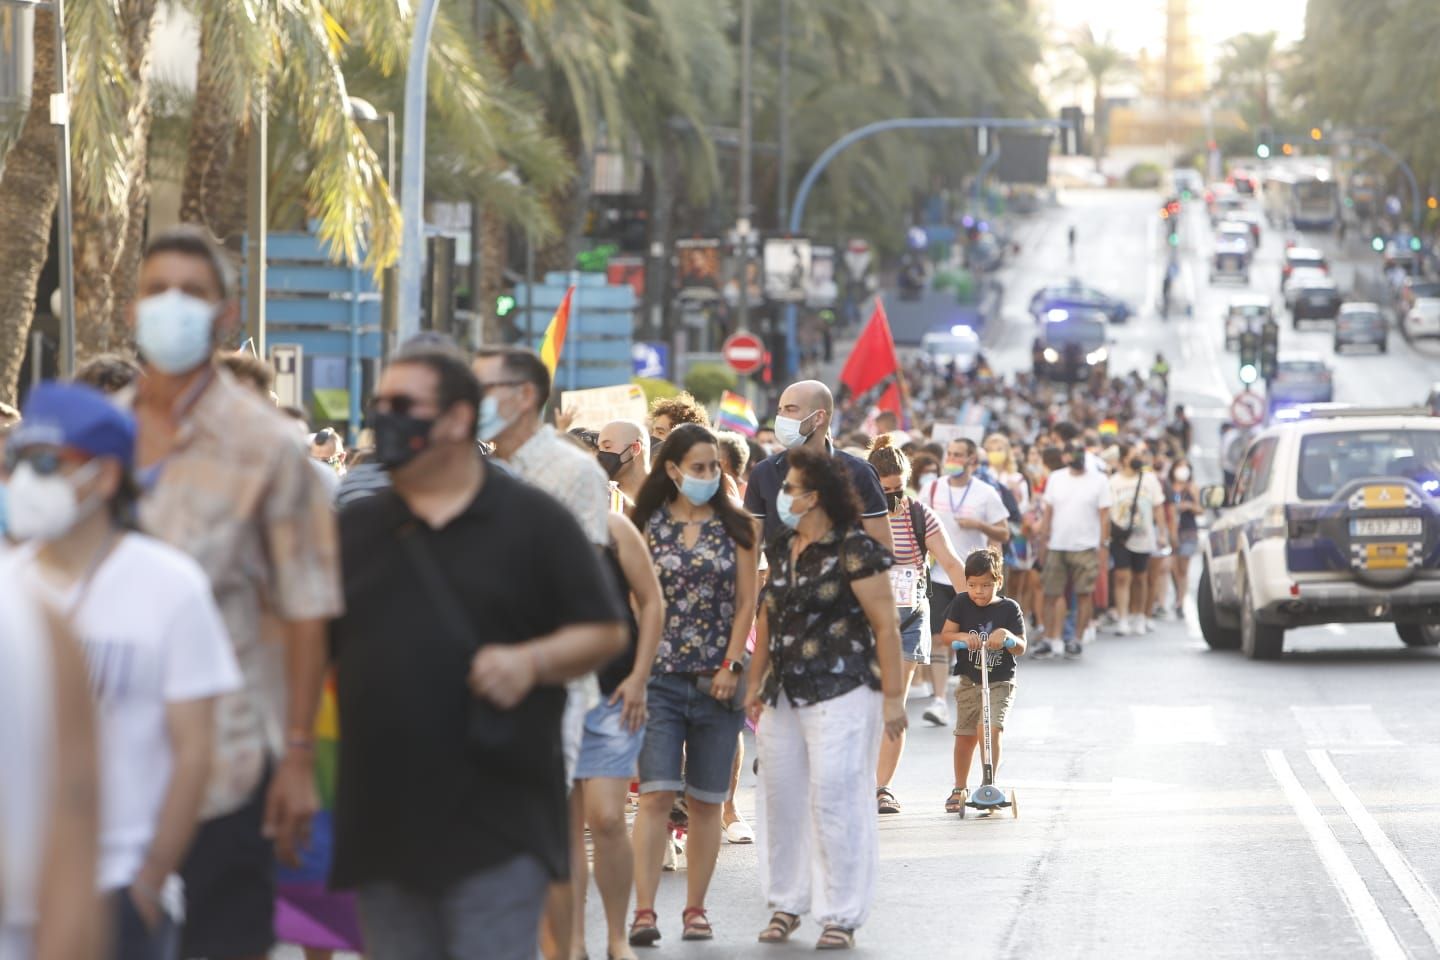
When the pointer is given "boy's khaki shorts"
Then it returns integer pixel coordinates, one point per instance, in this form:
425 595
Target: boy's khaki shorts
968 709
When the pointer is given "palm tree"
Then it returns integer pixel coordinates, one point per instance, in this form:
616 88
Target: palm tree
1247 68
1102 60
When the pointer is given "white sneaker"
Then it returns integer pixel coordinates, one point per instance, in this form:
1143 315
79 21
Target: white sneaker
1123 627
1146 625
1089 636
937 713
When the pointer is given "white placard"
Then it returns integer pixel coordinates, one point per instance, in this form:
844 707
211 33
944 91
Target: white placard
594 408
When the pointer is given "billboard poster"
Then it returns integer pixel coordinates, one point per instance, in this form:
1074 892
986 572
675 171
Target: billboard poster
822 289
754 281
698 269
627 270
787 269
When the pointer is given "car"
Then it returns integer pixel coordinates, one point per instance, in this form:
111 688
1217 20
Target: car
1072 346
1298 278
957 344
1422 320
1236 231
1187 180
1300 378
1316 298
1297 258
1246 312
1252 220
1413 291
1231 260
1332 518
1076 296
1361 323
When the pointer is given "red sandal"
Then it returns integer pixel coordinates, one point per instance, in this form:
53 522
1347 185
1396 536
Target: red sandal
697 925
643 931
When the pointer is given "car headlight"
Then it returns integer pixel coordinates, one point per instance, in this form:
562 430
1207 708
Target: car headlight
1097 356
1051 356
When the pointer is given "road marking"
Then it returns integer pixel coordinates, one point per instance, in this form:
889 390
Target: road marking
1031 724
1343 874
1350 725
1161 725
1411 885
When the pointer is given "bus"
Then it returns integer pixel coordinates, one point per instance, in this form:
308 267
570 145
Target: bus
1303 199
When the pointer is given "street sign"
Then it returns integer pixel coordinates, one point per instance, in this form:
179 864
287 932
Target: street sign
649 359
288 359
1247 409
744 352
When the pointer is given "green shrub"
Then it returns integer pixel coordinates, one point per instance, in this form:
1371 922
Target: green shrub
707 381
655 389
1143 176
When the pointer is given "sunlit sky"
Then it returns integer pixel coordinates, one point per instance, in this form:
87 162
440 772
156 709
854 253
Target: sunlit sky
1136 24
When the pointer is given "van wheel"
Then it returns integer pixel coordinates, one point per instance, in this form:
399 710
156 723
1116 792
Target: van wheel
1419 634
1216 636
1259 641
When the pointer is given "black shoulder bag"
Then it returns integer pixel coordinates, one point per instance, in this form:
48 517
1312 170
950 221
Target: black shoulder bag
505 739
1119 534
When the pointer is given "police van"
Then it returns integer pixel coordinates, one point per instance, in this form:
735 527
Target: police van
1334 517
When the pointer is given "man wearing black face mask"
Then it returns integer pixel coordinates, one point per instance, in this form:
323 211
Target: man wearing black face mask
450 665
1076 526
625 457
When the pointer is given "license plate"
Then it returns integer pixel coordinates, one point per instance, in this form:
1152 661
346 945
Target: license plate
1389 527
1317 298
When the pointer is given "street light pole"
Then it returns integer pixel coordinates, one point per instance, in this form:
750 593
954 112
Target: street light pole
412 173
784 105
742 225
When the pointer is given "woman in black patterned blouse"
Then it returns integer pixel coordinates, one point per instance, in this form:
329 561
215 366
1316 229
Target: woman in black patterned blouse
825 678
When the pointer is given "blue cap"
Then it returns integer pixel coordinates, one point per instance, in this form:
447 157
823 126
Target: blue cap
75 416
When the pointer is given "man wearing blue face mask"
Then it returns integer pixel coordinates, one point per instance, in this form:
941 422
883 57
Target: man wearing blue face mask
805 414
223 479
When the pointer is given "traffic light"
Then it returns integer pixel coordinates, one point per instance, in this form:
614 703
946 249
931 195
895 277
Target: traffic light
1378 244
1269 350
504 305
1316 133
1074 137
1432 202
1249 356
1263 138
1415 244
1263 151
1287 148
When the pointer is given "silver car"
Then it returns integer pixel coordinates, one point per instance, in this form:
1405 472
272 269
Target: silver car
1361 324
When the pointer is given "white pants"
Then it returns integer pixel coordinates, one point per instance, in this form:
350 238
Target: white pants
819 843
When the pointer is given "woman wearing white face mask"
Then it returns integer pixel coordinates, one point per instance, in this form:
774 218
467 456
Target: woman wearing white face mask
157 651
1185 498
704 549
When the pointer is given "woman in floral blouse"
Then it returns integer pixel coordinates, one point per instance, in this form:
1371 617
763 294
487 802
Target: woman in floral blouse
704 548
825 679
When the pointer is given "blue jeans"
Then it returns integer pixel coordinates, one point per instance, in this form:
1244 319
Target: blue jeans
493 914
690 740
133 940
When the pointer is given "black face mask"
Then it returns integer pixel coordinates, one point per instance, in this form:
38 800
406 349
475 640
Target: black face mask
611 462
655 444
1077 458
400 438
893 499
1137 464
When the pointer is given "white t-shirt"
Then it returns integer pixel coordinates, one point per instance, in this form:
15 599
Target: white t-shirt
1075 501
152 636
1142 537
26 746
977 500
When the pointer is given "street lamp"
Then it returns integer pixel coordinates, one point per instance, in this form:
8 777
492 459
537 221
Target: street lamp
412 190
363 111
60 117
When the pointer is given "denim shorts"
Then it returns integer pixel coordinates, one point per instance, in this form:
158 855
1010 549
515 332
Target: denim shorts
915 639
690 740
607 748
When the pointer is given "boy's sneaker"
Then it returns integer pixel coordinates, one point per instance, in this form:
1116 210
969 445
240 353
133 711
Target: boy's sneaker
1043 650
937 713
1072 651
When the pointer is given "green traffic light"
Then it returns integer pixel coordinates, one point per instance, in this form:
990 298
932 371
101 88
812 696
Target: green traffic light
1174 239
1263 151
1378 244
504 304
1248 373
1415 244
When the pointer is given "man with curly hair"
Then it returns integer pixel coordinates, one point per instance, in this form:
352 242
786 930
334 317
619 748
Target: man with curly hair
667 413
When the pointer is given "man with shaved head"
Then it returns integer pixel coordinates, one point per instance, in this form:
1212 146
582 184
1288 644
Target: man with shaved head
625 457
805 414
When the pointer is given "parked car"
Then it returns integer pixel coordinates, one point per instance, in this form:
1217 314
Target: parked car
1301 378
1078 297
1361 324
1422 320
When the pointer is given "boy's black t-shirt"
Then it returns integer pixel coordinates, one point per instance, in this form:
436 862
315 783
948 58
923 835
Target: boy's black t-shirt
972 618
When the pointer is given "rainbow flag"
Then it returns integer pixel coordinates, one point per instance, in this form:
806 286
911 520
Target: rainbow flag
554 341
1109 427
737 414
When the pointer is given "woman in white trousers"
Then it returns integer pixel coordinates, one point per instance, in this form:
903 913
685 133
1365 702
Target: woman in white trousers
825 678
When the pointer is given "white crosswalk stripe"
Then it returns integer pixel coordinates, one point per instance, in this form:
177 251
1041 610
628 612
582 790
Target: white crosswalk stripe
1347 725
1162 725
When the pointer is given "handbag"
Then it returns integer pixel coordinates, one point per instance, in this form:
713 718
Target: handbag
499 738
1119 534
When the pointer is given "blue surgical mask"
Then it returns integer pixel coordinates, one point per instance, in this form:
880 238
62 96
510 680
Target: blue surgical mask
783 509
175 331
697 491
491 423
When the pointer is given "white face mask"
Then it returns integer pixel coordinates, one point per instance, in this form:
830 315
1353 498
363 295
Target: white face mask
787 430
1182 474
46 508
491 423
173 330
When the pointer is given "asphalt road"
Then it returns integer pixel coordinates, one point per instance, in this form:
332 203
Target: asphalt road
1175 802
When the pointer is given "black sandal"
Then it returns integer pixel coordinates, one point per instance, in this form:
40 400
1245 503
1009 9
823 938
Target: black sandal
779 928
886 801
836 938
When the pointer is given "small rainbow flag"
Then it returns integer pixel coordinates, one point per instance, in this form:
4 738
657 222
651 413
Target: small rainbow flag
554 341
1109 427
737 414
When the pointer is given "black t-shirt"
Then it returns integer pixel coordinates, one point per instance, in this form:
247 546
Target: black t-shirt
769 474
417 804
971 617
612 674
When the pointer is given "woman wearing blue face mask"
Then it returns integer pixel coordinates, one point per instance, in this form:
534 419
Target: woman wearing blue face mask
704 548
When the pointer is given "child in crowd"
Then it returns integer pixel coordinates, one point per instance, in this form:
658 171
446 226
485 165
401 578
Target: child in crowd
989 625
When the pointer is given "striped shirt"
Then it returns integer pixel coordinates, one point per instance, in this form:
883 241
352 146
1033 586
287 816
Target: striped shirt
907 552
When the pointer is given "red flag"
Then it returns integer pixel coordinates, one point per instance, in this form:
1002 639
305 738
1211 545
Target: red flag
873 358
890 400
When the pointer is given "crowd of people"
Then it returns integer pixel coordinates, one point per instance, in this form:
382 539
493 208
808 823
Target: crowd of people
399 698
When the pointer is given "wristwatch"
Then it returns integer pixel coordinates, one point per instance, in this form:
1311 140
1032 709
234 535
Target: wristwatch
734 666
